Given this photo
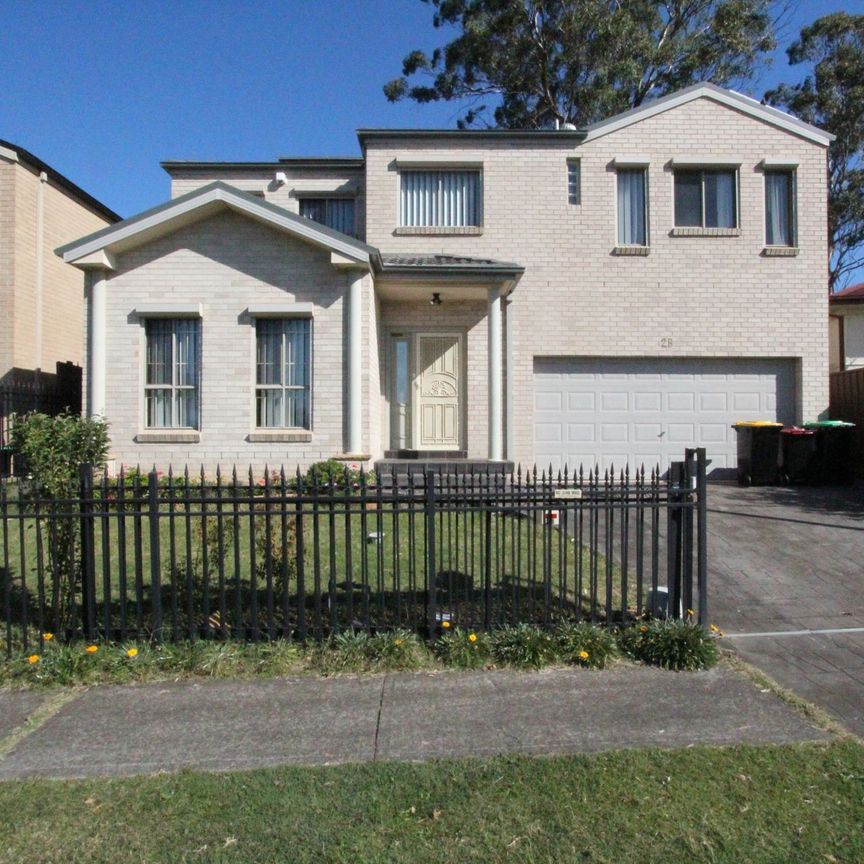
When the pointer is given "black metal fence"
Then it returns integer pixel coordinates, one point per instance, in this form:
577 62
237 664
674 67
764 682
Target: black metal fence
25 390
164 557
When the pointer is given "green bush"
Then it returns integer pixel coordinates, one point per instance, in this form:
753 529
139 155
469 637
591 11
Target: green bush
343 475
464 649
523 646
584 644
669 643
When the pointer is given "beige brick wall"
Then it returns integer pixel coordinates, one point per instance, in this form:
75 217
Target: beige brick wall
304 183
707 297
63 285
226 262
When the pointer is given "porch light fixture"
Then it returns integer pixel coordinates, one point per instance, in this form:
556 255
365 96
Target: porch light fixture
436 299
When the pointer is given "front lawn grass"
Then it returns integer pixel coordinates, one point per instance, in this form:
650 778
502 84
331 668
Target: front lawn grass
741 805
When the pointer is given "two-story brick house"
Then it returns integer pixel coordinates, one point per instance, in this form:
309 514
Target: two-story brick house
610 294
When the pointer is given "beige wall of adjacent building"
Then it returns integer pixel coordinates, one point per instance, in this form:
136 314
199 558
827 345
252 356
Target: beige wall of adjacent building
690 297
23 253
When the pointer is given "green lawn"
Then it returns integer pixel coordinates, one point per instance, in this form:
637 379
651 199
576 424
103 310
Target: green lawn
742 805
215 554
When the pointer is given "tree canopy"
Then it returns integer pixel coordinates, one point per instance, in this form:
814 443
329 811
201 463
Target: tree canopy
831 95
577 61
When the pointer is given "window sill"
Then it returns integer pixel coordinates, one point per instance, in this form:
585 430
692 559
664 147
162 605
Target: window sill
169 436
439 230
280 436
705 232
779 251
634 251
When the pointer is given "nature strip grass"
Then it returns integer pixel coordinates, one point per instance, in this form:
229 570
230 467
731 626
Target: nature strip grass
759 805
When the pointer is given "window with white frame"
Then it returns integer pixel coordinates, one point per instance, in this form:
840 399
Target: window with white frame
440 199
574 181
335 213
706 198
632 207
283 373
780 228
172 374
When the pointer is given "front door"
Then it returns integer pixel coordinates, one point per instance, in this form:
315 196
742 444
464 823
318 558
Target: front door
438 385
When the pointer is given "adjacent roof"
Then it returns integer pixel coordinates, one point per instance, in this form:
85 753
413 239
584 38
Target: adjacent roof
403 263
84 198
200 203
484 134
853 294
732 98
329 162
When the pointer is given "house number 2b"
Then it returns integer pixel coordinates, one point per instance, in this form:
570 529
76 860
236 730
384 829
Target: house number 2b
665 341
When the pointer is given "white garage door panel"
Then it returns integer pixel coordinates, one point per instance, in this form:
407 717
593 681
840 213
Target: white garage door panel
647 411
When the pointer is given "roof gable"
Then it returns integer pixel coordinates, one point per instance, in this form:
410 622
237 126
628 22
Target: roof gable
199 204
730 98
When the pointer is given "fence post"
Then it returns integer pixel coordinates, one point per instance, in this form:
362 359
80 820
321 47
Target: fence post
702 533
674 526
431 582
155 555
88 551
687 522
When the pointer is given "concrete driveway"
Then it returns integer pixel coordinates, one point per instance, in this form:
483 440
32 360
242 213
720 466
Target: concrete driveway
786 570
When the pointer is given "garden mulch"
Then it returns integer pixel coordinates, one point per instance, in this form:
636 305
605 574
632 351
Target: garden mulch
222 725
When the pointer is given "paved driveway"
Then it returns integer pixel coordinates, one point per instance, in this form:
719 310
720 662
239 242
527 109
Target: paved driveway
786 569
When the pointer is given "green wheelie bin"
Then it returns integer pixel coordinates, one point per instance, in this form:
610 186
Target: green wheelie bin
758 452
832 461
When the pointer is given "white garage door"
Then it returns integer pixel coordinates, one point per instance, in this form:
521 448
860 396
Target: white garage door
647 411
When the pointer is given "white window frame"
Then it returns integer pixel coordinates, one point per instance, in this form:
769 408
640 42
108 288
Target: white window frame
792 171
622 165
270 318
328 199
440 170
701 170
173 387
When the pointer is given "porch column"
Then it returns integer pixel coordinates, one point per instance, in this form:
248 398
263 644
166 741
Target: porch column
96 343
495 360
355 359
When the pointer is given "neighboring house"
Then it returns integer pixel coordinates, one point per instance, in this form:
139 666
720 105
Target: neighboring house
612 294
41 297
847 328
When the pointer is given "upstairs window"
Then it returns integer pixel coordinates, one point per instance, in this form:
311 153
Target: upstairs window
172 377
632 207
706 199
335 213
283 373
574 181
440 199
780 226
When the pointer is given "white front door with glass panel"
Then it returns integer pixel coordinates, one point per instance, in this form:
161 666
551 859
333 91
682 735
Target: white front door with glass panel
437 391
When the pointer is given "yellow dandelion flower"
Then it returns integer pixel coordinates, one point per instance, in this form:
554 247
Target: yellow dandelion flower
715 628
47 636
583 655
33 659
92 649
397 642
472 637
643 628
445 625
690 612
132 652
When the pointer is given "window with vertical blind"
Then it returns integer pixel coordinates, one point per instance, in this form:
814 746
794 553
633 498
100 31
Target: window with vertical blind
283 373
172 375
440 199
335 213
632 207
780 229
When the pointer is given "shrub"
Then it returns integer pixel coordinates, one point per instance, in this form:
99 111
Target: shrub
342 474
464 649
669 643
400 649
584 644
523 646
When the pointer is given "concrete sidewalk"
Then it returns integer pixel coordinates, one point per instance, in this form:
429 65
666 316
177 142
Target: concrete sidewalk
233 725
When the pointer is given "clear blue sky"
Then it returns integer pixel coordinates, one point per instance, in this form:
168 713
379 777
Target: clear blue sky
103 90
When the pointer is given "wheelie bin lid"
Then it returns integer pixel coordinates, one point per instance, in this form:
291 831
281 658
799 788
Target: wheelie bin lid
829 424
754 424
797 430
